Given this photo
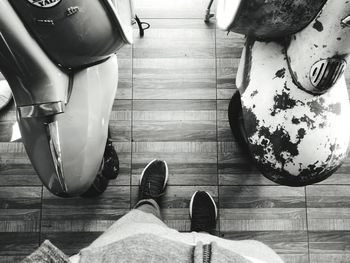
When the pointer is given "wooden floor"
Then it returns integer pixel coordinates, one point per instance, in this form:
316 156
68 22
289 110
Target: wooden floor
174 89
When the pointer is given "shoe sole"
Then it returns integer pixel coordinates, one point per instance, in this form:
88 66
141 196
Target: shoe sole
191 204
166 172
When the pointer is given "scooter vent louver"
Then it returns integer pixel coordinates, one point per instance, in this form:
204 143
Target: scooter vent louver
325 73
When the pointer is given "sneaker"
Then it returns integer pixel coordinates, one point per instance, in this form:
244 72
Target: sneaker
203 212
153 180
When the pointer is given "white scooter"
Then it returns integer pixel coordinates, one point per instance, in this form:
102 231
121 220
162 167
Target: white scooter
58 57
291 109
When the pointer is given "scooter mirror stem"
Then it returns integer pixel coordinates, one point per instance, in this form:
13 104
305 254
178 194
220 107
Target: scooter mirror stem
318 54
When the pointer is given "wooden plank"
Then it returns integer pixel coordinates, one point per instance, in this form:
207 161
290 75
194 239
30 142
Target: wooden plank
329 222
261 197
235 168
229 46
175 105
15 167
18 243
175 63
172 9
20 197
174 124
180 42
19 220
114 197
329 246
124 90
124 56
263 219
174 78
329 219
189 162
120 121
11 259
226 77
326 196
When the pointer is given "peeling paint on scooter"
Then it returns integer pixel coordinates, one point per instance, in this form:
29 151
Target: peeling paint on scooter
295 138
271 19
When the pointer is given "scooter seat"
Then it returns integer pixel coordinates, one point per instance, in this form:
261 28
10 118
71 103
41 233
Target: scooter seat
266 19
77 33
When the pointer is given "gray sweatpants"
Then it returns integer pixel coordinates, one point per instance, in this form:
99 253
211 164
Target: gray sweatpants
146 218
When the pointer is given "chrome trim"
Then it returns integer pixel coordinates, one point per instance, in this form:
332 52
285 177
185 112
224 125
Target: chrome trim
56 154
41 110
346 21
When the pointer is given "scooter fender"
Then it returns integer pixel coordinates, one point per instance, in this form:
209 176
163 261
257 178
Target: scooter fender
266 19
66 149
294 137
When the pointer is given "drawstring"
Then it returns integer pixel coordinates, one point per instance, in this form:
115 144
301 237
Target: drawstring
206 253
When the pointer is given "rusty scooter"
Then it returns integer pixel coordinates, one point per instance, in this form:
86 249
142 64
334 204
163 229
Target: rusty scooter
291 110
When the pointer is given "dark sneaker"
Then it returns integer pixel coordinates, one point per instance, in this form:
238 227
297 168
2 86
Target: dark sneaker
153 180
203 212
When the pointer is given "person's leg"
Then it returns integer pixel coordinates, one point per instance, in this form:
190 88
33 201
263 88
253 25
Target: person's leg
149 206
146 212
203 213
153 180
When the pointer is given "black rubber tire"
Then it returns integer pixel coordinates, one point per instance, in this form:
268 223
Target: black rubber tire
109 170
98 186
235 117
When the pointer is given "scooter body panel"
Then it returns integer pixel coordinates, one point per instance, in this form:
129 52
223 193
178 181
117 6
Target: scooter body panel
295 138
66 149
76 33
32 76
318 55
266 19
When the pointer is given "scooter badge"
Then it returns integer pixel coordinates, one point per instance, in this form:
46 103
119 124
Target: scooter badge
44 3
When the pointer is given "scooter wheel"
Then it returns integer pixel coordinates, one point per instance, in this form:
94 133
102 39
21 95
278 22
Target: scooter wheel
109 170
98 186
235 117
